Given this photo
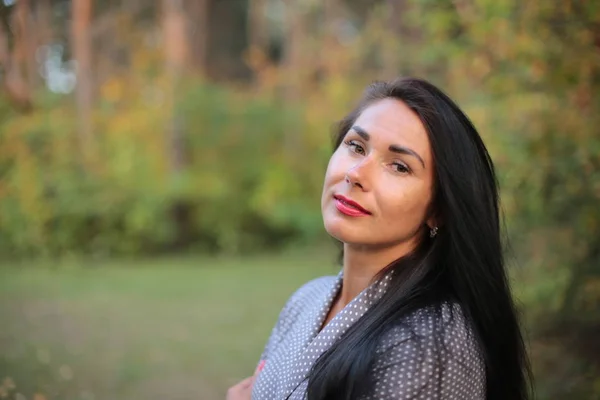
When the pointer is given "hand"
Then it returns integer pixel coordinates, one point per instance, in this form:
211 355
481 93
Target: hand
243 390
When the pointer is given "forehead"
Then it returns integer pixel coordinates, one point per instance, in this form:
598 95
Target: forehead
390 121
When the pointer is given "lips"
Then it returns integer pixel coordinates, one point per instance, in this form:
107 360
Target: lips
349 207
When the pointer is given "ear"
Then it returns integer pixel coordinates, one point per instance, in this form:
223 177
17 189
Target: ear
433 216
433 221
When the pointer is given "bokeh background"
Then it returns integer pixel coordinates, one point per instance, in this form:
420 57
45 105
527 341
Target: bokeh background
161 165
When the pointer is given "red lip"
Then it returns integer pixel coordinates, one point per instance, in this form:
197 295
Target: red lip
349 207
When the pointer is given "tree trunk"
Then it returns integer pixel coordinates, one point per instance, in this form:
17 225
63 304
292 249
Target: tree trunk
332 13
44 31
294 39
12 60
176 56
396 9
228 40
257 26
82 52
198 33
27 31
294 66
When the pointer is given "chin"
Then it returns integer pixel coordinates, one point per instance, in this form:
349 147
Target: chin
339 229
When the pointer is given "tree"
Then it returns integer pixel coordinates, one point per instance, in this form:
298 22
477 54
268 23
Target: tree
176 56
81 14
198 33
16 60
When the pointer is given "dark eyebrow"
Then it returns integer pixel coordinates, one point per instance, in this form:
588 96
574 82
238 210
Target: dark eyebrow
407 151
393 148
361 132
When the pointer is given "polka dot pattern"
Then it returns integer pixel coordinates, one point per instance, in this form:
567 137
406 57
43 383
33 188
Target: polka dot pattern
424 357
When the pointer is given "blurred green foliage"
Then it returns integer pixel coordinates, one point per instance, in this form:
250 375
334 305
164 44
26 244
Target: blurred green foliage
239 190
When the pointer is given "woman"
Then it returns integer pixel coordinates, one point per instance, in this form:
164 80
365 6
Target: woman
421 308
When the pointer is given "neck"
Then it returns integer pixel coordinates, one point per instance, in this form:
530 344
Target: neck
362 264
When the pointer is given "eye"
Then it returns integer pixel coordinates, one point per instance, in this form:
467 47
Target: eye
401 168
355 146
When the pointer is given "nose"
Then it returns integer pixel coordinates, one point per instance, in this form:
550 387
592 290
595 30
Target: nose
356 176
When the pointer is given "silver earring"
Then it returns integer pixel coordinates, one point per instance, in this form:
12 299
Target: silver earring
433 232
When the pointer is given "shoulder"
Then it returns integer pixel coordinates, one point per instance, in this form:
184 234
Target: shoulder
442 332
432 351
301 300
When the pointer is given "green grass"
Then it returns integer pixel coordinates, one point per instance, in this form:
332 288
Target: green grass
172 329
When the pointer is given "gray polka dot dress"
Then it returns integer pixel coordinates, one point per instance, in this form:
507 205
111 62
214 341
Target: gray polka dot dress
408 364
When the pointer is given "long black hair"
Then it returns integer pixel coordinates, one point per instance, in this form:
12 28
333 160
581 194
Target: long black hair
463 264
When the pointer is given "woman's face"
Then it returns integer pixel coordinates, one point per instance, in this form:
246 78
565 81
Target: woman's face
378 184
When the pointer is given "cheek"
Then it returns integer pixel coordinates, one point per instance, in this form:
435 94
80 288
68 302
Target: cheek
327 182
335 168
407 202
